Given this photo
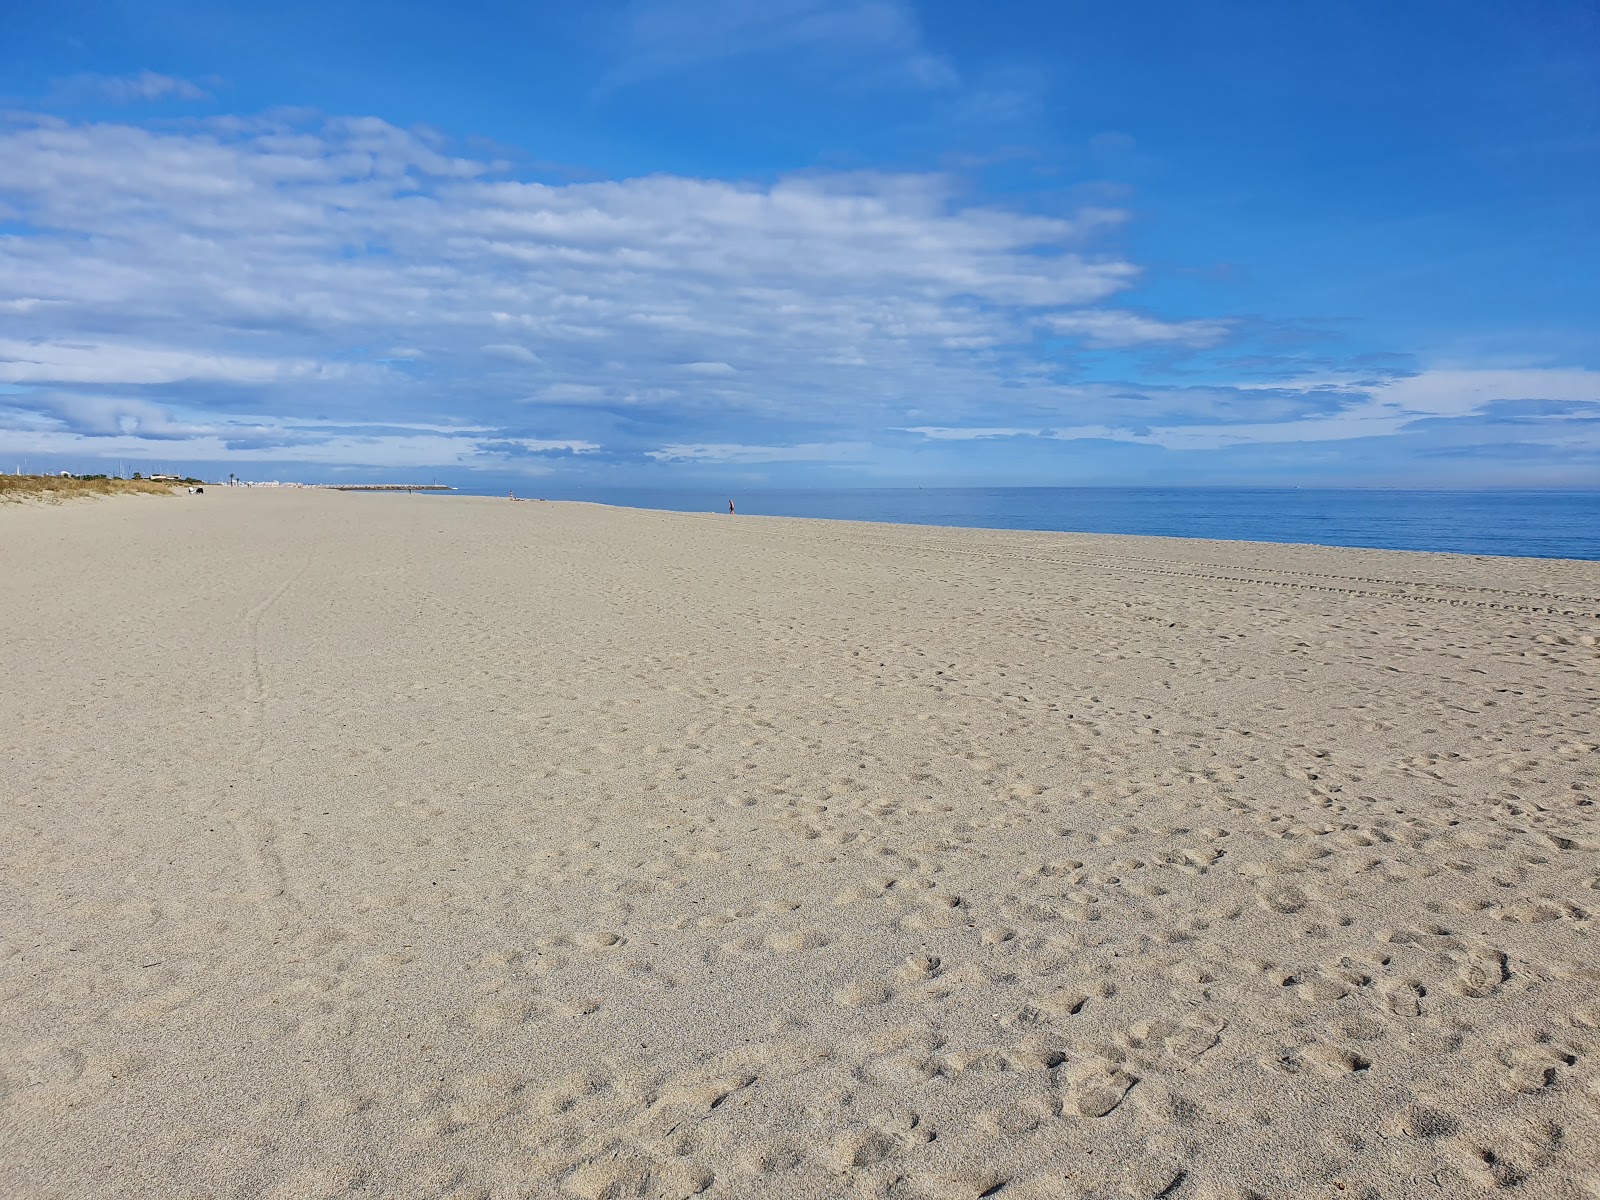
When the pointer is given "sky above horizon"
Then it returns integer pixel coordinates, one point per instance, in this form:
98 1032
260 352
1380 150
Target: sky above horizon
804 242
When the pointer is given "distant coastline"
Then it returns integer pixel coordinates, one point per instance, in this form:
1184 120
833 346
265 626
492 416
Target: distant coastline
1520 524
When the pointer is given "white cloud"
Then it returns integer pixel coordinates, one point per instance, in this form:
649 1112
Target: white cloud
1385 409
734 453
309 264
82 426
853 40
941 433
144 87
103 362
1065 434
1362 411
571 393
176 281
1110 328
1459 392
103 415
24 304
511 352
360 222
379 450
539 445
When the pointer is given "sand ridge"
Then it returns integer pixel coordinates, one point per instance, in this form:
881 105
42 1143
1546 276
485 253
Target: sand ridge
407 846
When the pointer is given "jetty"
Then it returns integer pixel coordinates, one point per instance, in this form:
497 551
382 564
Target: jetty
388 487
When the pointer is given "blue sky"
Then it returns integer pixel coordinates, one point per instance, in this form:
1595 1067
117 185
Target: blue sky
804 242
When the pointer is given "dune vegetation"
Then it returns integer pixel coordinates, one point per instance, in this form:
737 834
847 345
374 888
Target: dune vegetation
53 489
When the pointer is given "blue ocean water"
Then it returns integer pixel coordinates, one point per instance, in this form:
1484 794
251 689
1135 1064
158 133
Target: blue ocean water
1529 524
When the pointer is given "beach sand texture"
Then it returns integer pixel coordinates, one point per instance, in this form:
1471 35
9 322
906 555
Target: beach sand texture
416 847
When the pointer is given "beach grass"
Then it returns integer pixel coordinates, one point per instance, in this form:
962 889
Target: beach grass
53 489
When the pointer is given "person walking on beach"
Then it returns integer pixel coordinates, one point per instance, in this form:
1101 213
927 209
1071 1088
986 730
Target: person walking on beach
730 508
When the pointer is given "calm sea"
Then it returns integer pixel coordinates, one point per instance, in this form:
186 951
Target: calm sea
1531 524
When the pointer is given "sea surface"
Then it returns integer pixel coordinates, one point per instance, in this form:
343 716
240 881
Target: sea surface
1529 524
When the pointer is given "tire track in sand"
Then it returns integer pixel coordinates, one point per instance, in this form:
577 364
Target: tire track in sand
257 833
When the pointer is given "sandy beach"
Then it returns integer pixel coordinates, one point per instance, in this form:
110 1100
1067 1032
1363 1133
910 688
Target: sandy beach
418 847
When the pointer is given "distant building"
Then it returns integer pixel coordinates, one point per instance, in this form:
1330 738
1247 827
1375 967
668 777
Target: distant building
164 478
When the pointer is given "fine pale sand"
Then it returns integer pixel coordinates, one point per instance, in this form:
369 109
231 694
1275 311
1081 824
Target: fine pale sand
417 847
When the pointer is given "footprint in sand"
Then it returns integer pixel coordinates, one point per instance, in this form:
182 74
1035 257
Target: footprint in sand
1320 1057
1479 973
1097 1087
919 967
857 995
791 940
1531 1069
1404 998
626 1174
1195 1036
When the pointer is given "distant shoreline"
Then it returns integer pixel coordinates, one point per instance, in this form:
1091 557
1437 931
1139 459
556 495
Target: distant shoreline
1502 524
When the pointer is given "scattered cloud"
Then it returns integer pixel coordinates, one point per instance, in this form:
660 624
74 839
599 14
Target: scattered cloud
163 287
81 425
732 453
569 393
1338 412
856 40
1114 329
60 361
1461 391
511 352
941 433
290 263
540 446
143 88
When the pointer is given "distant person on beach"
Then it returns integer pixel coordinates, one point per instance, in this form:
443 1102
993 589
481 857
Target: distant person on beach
730 508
